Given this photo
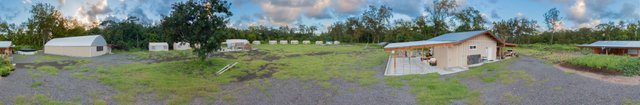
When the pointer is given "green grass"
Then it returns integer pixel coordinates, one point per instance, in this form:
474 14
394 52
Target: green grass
39 99
629 66
99 102
512 98
49 58
34 74
352 63
36 84
556 88
49 69
627 101
162 55
431 90
178 81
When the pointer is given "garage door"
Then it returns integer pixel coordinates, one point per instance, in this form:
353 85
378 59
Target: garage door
473 59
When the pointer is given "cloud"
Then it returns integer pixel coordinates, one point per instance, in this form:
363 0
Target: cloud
520 14
349 6
411 8
90 14
587 12
285 12
577 12
591 24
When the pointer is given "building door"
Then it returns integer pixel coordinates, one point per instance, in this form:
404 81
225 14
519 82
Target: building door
473 59
490 54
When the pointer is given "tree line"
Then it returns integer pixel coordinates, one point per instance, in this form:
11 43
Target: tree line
204 22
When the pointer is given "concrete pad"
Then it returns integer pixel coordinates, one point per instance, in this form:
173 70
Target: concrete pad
407 66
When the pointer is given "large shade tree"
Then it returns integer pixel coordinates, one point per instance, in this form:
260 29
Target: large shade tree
198 22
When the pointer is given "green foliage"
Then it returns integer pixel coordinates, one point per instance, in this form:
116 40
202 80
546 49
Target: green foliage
512 98
6 67
556 88
49 69
629 66
198 22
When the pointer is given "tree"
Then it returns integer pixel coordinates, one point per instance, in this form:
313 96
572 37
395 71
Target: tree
518 30
198 22
45 23
470 20
552 19
375 20
439 12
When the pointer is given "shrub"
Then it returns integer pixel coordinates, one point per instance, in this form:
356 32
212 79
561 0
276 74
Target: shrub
627 65
5 71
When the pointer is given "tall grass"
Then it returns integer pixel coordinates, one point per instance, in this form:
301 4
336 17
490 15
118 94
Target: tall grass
629 66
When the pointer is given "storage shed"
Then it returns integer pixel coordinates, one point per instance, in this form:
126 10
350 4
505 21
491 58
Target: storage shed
273 42
181 46
255 42
6 48
455 49
238 44
631 48
295 42
284 42
79 46
158 46
306 42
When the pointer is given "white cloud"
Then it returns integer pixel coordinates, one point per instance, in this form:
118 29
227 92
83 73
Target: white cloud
520 14
593 23
578 10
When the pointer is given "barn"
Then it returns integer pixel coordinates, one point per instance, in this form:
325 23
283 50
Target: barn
461 49
79 46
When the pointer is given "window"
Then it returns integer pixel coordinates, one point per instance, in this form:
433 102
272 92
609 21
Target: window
473 47
99 48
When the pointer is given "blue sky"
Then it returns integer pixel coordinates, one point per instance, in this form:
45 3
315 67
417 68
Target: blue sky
322 13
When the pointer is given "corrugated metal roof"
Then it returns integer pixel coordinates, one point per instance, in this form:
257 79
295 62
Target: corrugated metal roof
414 43
5 44
90 40
456 37
620 44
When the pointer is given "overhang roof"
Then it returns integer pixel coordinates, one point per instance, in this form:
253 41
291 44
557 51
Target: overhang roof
89 40
613 44
445 39
5 44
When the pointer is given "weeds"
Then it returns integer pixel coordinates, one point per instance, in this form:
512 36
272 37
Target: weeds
49 69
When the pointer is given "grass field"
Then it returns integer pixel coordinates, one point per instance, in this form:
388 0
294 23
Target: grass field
181 81
629 66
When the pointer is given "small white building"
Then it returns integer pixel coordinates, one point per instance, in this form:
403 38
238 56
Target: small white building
273 42
284 42
255 42
294 42
329 42
79 46
181 46
158 46
319 42
238 44
306 42
336 42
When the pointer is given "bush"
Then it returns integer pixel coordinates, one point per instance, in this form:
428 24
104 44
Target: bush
5 71
627 65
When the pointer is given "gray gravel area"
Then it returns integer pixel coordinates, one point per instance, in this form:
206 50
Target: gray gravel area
297 92
558 88
63 86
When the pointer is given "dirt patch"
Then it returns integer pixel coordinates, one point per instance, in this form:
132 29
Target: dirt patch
593 70
257 53
293 55
271 58
317 53
57 64
167 60
617 79
269 67
223 55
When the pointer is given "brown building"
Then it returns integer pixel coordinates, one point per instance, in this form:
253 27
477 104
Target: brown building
614 47
6 48
457 49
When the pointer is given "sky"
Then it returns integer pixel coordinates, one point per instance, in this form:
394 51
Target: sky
322 13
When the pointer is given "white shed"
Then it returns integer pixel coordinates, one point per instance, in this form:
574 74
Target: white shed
79 46
256 42
294 42
306 42
336 42
284 42
273 42
319 42
181 46
158 46
329 42
237 44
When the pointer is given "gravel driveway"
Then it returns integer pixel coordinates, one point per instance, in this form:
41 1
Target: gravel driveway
558 88
61 87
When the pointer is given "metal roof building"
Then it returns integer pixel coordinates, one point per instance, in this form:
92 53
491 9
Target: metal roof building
6 48
79 46
614 47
